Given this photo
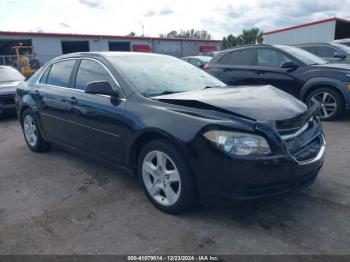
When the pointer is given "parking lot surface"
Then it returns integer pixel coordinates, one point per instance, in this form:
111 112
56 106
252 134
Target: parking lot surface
61 203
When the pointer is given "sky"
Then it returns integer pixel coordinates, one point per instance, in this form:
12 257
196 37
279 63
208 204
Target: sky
120 17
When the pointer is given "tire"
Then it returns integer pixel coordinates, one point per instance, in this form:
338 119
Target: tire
331 101
167 195
32 133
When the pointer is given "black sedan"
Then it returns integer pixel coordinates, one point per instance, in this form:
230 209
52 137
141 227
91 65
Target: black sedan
9 80
186 135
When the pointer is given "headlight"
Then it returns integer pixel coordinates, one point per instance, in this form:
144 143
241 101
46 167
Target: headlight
236 143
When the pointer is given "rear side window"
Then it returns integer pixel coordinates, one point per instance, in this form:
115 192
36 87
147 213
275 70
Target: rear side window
91 71
60 72
270 57
326 51
239 57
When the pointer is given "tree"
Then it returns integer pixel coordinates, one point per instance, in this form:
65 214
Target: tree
191 34
131 34
252 36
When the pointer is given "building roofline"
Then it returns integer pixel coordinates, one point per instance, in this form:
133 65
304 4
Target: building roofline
44 34
306 25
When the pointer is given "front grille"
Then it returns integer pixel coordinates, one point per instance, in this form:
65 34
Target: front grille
291 126
308 151
7 100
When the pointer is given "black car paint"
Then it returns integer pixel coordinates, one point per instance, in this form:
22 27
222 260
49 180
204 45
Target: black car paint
299 82
115 129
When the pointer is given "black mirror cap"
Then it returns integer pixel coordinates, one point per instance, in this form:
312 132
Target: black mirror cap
339 55
289 65
101 88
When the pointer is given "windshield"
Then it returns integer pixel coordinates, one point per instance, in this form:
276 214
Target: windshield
304 56
344 48
153 75
8 74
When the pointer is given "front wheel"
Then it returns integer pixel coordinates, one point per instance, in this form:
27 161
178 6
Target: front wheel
32 133
330 102
166 178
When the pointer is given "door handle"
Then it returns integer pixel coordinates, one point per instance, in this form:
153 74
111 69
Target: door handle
36 93
72 100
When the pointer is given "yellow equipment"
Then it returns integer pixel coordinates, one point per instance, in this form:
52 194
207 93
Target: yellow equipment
25 60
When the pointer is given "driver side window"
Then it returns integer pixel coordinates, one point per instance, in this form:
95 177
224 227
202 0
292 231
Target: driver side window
91 71
270 57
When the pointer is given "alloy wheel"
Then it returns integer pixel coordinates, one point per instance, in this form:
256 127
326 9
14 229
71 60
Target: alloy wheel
30 131
161 178
327 103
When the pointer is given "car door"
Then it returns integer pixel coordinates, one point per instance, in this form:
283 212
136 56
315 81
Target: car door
50 96
96 122
235 68
269 71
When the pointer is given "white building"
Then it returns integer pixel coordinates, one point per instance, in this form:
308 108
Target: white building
50 45
320 31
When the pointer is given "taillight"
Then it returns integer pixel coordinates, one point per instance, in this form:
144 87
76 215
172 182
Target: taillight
206 67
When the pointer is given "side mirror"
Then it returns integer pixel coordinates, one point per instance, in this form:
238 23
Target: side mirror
101 88
339 55
289 65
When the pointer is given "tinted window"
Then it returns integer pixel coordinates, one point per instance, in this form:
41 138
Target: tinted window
326 51
91 71
239 57
60 73
270 57
43 78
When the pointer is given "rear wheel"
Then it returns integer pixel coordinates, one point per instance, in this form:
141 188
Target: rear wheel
330 102
32 133
166 178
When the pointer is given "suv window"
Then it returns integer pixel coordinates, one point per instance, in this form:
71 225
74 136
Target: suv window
60 73
270 57
239 57
326 51
91 71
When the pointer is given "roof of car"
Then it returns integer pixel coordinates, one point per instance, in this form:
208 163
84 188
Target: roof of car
106 54
198 57
318 43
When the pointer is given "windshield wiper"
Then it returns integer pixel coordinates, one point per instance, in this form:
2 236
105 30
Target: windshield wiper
167 92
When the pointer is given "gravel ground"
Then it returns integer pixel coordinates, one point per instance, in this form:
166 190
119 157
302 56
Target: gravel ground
61 203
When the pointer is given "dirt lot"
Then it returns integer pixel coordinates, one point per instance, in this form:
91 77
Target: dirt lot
61 203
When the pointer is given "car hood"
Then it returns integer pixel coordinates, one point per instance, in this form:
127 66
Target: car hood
342 66
8 88
261 103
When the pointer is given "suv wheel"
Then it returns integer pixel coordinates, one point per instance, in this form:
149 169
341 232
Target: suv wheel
165 177
330 101
32 133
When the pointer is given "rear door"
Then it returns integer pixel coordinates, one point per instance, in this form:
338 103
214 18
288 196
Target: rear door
269 72
96 122
50 95
235 68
